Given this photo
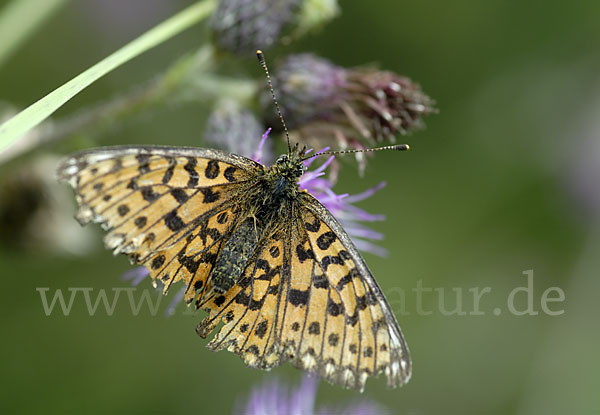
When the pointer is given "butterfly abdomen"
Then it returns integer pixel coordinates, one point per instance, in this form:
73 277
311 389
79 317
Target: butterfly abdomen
235 255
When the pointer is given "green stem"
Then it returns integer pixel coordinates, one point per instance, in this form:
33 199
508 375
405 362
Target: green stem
189 79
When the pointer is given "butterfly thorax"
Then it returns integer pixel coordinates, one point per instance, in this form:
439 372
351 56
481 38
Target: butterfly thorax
275 189
281 179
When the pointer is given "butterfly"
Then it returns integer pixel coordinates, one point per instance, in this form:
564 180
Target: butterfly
253 250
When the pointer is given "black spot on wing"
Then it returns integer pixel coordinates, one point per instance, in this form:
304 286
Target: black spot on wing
219 300
274 251
347 279
325 240
229 316
148 194
140 221
158 261
338 259
144 163
173 221
314 328
333 339
304 254
261 329
212 169
320 281
168 173
122 210
230 173
222 218
190 168
209 195
132 185
298 297
179 195
334 309
313 226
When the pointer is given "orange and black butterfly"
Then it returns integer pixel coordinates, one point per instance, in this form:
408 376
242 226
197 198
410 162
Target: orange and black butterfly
253 250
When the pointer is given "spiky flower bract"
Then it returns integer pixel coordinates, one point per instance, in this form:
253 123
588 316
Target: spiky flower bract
329 105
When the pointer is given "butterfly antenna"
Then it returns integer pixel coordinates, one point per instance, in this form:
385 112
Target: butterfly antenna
263 63
399 147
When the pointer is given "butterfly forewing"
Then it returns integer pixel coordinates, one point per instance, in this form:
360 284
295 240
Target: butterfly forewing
366 336
167 208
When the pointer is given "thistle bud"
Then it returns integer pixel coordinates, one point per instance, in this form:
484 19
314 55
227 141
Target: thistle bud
329 105
243 26
236 130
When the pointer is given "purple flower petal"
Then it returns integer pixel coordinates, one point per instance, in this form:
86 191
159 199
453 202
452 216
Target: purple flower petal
366 194
177 298
258 154
365 246
273 397
302 401
135 275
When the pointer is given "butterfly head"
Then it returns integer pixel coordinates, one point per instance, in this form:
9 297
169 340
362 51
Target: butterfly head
282 177
290 165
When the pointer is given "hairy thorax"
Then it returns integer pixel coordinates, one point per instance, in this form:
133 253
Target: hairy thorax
268 203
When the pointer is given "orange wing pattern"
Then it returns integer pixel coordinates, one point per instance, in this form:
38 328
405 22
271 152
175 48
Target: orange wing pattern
308 297
305 296
167 208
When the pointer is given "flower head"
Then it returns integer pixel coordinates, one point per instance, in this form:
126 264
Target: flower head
326 104
242 26
275 398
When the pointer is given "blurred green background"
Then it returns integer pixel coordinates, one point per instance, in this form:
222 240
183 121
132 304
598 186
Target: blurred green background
504 179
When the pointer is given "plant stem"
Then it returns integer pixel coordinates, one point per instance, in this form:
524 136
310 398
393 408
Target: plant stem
191 78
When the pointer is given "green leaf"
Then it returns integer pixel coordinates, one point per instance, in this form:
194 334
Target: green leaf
17 126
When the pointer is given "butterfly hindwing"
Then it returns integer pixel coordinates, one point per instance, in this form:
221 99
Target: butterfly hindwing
166 207
309 298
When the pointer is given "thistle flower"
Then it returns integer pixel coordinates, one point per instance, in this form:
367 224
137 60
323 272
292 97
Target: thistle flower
242 26
326 104
275 398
